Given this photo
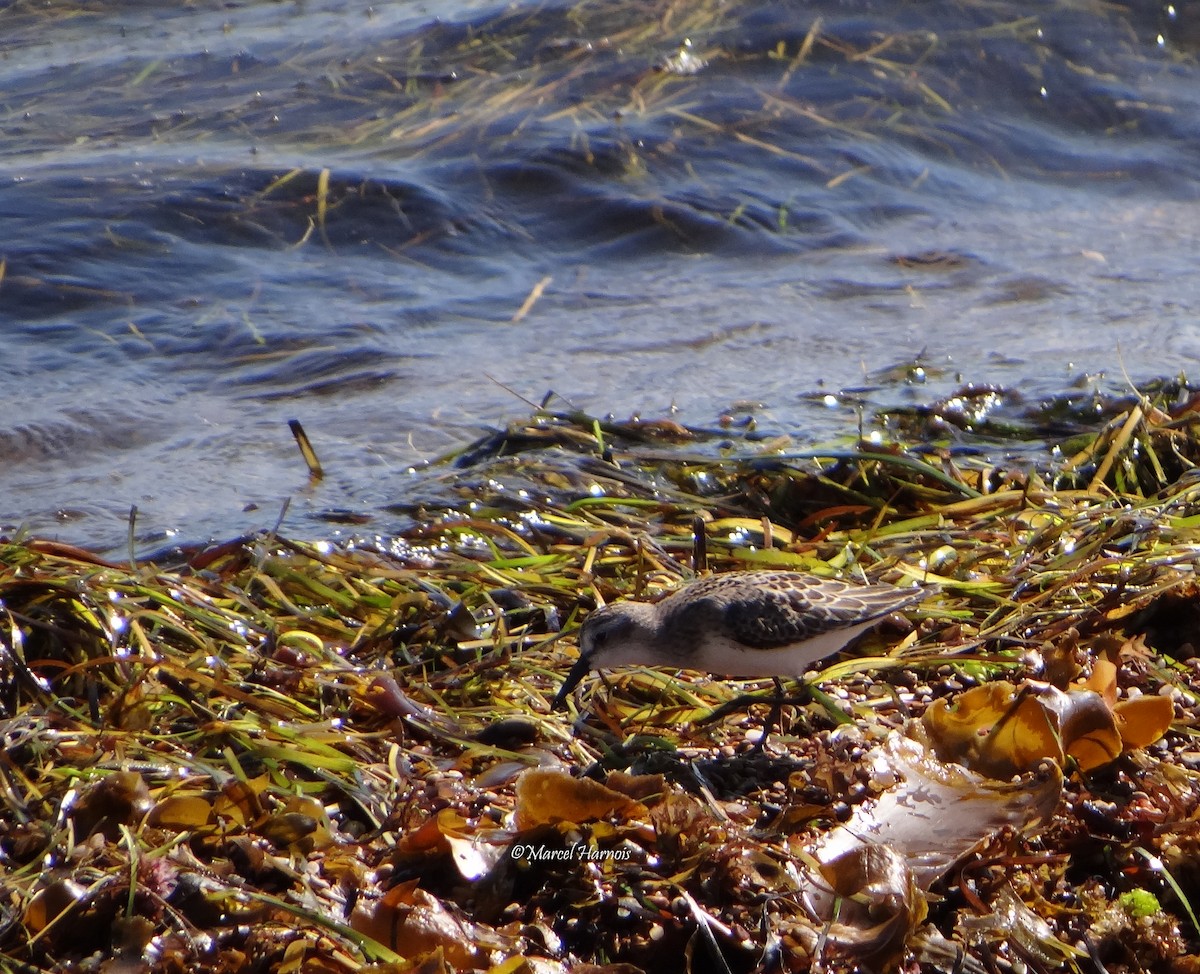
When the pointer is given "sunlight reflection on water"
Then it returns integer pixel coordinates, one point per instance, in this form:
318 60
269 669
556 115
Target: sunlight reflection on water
266 213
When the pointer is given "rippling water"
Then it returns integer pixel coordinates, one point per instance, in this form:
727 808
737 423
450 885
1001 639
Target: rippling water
220 217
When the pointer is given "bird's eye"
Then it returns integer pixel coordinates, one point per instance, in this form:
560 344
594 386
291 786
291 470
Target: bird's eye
600 638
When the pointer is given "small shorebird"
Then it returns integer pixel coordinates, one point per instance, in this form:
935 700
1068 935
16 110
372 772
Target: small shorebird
747 624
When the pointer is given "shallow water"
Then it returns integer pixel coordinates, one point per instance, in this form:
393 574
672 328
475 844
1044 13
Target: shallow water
221 217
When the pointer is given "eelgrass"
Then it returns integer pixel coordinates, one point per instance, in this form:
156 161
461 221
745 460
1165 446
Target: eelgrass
228 757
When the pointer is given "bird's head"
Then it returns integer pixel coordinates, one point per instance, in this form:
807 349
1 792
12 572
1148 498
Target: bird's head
610 636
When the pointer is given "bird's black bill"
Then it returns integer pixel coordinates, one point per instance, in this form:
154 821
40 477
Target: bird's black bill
582 667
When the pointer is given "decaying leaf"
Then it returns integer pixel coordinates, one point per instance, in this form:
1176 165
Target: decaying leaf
180 812
1025 735
547 797
413 922
1003 730
51 901
881 903
430 836
477 855
1141 721
642 787
1103 679
241 801
1085 724
475 851
119 798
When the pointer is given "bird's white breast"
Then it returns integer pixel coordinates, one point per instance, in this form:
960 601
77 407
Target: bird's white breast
721 655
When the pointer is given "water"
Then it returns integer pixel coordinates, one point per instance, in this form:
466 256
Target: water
220 217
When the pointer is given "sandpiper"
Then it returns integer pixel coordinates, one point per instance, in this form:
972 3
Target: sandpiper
738 624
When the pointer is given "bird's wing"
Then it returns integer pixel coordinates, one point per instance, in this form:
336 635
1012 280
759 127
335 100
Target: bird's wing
778 619
780 611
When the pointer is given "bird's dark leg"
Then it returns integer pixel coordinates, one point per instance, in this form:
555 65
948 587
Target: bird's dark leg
774 717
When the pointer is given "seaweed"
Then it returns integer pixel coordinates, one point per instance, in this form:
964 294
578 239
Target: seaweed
291 755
